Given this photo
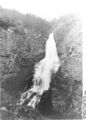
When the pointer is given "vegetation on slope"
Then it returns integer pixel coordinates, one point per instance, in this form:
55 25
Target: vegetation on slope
22 44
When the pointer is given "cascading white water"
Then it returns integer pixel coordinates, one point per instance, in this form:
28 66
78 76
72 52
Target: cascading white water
43 72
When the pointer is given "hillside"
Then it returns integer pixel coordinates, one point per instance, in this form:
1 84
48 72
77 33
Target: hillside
22 44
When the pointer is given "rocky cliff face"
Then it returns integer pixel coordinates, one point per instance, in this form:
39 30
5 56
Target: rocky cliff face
68 81
22 44
69 43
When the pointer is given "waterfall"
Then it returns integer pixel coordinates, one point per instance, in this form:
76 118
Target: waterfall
43 71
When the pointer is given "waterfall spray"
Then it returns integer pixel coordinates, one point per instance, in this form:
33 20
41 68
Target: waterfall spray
43 71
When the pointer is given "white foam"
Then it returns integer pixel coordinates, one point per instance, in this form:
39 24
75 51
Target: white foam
44 70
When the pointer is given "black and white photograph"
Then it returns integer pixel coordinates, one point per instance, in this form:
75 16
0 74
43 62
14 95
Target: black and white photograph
42 60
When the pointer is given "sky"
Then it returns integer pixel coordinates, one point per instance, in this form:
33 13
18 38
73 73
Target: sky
50 9
47 9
